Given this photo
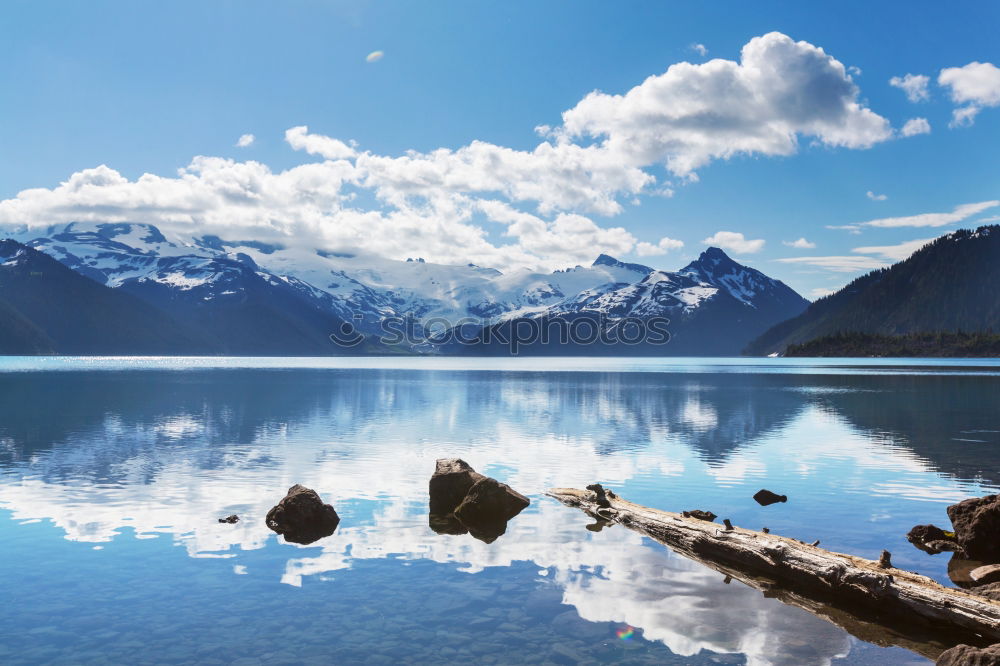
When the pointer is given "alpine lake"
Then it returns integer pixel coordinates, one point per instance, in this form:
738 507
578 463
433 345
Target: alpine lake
114 473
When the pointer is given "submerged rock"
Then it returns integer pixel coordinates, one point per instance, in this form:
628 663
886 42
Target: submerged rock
450 483
302 517
699 514
765 497
967 655
977 526
232 519
446 524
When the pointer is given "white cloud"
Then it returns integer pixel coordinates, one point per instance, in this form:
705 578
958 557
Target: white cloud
441 202
735 241
977 85
853 229
894 252
801 243
664 245
960 213
846 264
299 138
700 49
693 114
914 85
915 126
876 197
245 140
820 292
964 116
374 56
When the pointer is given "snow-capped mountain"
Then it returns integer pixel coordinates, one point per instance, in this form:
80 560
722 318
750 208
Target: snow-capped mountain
208 278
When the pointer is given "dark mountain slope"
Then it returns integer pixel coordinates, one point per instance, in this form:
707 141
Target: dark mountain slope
238 309
948 285
47 307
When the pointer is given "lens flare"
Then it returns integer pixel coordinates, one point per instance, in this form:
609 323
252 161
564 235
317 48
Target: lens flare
374 56
625 633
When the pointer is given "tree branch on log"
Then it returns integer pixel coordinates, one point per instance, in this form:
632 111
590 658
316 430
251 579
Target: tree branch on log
871 599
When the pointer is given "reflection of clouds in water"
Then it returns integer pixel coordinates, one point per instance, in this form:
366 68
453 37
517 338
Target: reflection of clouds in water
174 470
611 576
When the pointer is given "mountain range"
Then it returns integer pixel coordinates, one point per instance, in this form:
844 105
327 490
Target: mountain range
950 284
128 288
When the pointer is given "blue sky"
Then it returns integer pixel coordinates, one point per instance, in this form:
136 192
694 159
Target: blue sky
144 88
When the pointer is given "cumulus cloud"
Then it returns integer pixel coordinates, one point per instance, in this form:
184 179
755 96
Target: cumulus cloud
664 245
735 241
820 292
962 212
446 202
299 138
876 197
693 114
245 140
801 243
915 126
700 49
894 252
977 85
914 85
841 264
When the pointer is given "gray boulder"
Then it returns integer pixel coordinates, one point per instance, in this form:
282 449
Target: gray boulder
977 527
966 655
302 517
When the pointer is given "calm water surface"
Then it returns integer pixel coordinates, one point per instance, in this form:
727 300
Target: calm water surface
113 474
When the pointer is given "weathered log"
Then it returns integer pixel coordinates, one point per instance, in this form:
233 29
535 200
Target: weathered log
886 606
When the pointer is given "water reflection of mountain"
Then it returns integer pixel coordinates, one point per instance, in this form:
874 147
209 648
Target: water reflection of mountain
169 452
96 419
99 419
951 421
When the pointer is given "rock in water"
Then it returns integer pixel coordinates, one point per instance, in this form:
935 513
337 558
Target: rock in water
765 497
966 655
977 527
932 539
925 533
450 483
232 520
490 501
302 517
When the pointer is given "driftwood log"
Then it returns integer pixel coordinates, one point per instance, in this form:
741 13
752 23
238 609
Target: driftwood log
877 603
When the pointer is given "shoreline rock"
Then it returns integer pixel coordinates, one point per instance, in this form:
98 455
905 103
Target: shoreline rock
967 655
977 524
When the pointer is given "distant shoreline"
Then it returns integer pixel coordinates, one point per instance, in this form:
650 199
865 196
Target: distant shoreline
912 345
